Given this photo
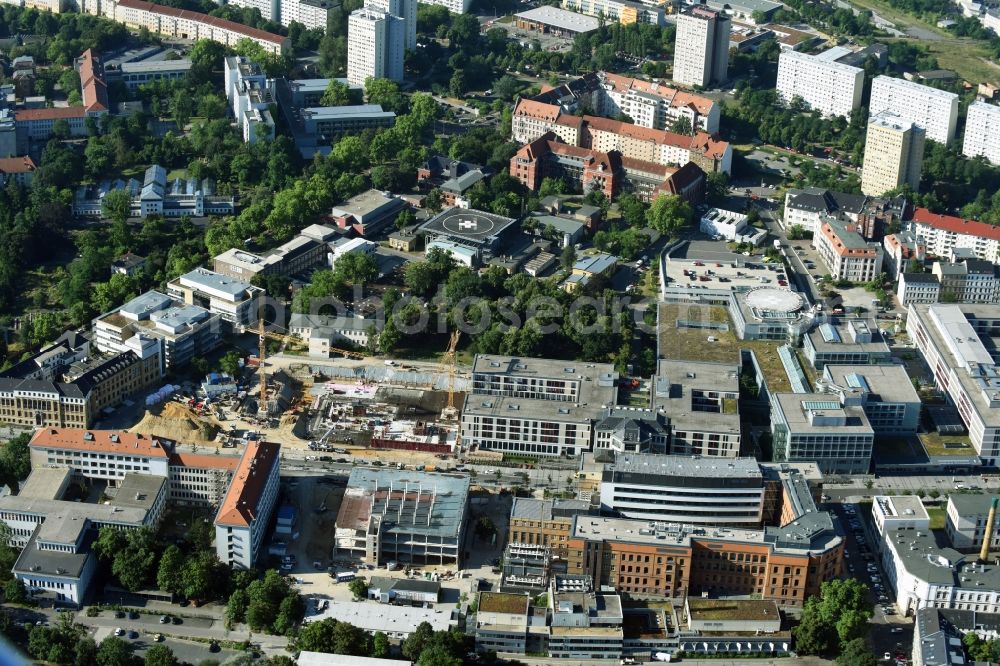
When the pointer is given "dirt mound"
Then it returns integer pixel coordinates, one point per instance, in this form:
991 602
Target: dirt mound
173 421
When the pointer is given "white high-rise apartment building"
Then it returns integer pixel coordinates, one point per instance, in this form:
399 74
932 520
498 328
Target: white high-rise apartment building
404 9
270 10
982 132
701 49
310 13
368 47
832 88
894 154
933 110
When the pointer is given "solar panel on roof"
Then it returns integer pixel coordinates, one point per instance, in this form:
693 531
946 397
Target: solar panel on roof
855 380
820 405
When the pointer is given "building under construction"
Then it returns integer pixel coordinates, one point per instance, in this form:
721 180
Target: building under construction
392 515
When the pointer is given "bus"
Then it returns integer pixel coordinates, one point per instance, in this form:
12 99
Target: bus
345 576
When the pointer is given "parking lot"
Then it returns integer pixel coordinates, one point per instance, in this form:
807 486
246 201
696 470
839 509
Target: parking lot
707 274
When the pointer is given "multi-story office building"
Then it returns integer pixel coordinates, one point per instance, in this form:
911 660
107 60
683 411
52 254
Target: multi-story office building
701 48
333 121
502 622
63 385
583 624
235 301
245 513
180 331
374 45
846 342
965 522
982 132
810 207
390 515
811 427
544 522
302 253
200 480
250 96
626 429
827 86
943 234
701 403
920 574
968 281
885 392
933 110
684 489
677 560
846 253
536 406
950 339
894 154
918 288
107 455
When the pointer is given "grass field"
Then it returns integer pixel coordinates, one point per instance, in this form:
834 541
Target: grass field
937 516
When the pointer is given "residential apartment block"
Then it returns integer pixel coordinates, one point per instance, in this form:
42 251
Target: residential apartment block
684 489
894 154
942 235
181 23
845 342
846 253
536 406
968 281
982 132
652 105
811 427
245 513
179 332
250 95
918 288
310 13
824 85
701 48
237 302
534 119
933 110
374 45
885 392
949 338
810 207
902 248
623 11
390 515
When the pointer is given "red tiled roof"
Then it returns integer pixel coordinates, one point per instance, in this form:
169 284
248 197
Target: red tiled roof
956 224
53 113
95 91
244 494
17 164
108 441
533 109
164 10
202 461
675 97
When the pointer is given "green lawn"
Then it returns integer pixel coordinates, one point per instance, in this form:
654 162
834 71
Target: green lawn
946 445
937 516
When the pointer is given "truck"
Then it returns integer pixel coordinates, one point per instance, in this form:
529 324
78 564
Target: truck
777 244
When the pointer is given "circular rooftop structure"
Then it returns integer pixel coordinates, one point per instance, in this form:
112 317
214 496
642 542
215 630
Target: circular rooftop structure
470 223
775 303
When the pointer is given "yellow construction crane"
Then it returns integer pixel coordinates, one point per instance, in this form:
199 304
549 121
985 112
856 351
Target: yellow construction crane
265 335
449 359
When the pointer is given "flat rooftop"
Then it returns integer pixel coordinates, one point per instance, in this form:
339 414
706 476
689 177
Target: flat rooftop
44 483
561 19
386 617
50 562
307 658
212 281
676 380
887 383
746 610
145 304
679 468
795 407
364 204
971 505
153 66
901 506
467 224
137 491
502 602
840 339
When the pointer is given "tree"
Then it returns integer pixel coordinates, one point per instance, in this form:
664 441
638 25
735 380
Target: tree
355 268
168 575
568 257
414 644
682 126
386 93
856 653
230 362
337 93
117 205
380 645
114 652
669 214
15 461
335 637
359 588
834 618
796 232
433 200
160 655
405 219
200 574
14 591
716 187
633 210
915 266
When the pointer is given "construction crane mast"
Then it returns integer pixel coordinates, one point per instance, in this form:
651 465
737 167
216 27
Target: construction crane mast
263 336
449 358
